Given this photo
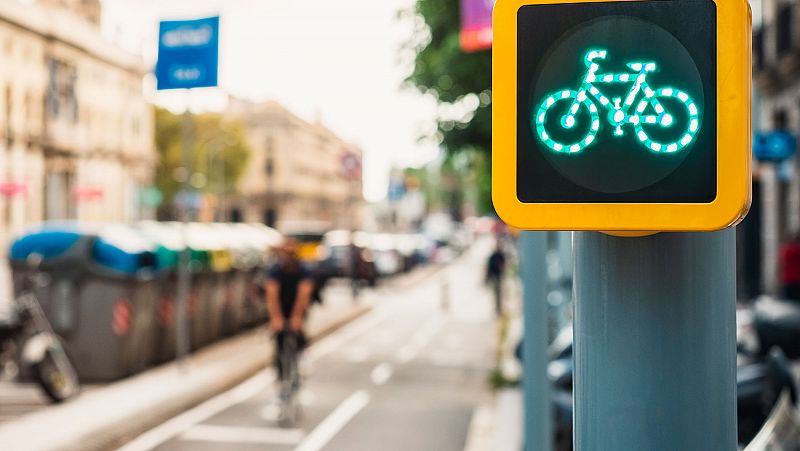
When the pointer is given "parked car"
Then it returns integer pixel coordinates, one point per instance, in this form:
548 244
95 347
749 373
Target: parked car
388 260
309 234
337 253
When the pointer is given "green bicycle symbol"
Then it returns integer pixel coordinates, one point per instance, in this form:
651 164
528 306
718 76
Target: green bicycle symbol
620 113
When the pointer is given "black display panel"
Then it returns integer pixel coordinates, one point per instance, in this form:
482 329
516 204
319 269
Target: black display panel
617 102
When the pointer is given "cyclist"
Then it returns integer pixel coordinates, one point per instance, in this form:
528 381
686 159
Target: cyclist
288 290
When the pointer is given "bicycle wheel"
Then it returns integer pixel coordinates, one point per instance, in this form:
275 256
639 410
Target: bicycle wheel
663 122
572 110
289 381
56 376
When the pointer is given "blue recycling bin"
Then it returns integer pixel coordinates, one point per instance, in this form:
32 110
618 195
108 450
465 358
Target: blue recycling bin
102 294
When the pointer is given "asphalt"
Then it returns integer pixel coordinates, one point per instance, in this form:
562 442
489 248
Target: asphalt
408 375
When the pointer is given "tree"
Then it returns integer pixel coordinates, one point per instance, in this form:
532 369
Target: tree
216 141
460 82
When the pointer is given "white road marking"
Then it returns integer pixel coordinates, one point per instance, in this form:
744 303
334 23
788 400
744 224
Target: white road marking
381 374
204 411
271 412
250 388
336 341
249 435
358 354
335 422
447 360
406 354
420 340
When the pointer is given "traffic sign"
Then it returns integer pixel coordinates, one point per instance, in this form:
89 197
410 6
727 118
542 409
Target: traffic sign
188 53
777 146
625 116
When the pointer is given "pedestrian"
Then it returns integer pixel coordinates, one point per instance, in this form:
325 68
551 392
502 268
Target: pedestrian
790 268
495 270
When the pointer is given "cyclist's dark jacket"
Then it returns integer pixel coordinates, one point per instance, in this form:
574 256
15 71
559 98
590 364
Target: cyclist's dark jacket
288 281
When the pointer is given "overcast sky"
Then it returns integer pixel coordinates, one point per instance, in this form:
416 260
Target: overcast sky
334 60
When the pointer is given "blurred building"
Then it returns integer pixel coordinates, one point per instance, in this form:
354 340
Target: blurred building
298 172
76 140
775 215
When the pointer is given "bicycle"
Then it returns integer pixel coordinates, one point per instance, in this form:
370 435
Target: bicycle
619 113
289 375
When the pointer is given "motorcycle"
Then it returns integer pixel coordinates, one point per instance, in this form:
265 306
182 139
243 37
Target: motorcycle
761 379
28 346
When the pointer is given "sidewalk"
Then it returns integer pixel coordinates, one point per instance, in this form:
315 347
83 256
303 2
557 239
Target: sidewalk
105 417
497 422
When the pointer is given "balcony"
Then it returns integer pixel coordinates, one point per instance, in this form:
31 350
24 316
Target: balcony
776 51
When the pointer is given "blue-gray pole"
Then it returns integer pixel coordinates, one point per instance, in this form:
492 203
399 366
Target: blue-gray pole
538 412
655 339
184 288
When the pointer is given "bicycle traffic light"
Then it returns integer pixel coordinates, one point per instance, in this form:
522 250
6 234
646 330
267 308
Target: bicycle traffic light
624 116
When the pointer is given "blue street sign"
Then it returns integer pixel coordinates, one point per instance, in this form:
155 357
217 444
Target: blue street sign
775 146
188 53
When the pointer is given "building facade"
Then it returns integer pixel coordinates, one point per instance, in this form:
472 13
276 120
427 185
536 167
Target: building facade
775 215
76 140
299 172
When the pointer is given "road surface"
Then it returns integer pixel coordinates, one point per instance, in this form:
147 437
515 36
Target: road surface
407 376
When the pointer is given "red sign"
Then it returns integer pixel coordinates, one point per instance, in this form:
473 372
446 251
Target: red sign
11 189
351 166
88 193
476 25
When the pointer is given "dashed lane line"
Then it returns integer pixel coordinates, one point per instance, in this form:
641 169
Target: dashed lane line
242 435
335 422
381 374
204 411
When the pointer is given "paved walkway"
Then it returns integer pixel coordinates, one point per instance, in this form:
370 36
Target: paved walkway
103 414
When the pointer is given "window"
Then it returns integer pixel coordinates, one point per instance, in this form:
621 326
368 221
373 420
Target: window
780 120
270 168
270 217
59 201
758 48
62 101
9 98
784 29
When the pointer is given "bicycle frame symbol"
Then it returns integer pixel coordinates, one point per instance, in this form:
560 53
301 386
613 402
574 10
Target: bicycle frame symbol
620 113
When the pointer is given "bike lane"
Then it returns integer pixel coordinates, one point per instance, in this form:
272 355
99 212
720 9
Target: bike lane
406 376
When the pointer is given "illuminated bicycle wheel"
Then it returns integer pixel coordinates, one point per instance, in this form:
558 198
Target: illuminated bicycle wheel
567 121
665 121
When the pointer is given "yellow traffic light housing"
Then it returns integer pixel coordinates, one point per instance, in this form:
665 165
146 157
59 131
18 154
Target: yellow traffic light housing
625 116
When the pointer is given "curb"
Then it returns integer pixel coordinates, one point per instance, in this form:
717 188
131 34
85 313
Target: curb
113 432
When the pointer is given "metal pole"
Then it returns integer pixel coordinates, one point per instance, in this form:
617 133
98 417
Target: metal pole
182 339
222 188
538 410
655 342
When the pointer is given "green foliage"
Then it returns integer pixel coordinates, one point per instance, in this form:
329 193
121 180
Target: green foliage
216 141
461 83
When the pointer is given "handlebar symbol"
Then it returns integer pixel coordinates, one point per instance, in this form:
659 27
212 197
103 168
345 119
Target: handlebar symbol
588 98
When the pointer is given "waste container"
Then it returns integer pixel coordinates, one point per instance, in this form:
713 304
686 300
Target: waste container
245 257
101 299
263 239
169 244
208 282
